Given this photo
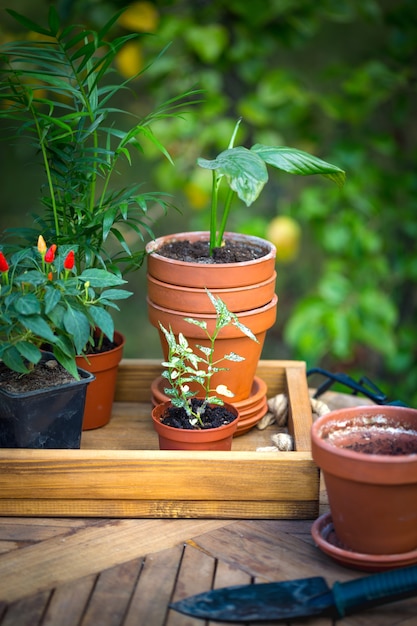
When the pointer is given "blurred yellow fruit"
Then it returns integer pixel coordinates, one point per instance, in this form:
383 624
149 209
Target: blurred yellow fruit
285 233
140 17
197 197
129 59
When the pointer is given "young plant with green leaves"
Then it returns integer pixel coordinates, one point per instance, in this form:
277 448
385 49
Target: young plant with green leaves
44 301
184 366
59 90
245 173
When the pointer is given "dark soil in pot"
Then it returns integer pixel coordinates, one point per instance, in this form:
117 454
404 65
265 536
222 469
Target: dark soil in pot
45 374
213 416
394 442
98 348
199 252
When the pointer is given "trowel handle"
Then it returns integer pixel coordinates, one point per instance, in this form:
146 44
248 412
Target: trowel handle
374 590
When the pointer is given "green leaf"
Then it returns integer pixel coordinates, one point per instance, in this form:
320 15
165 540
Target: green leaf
115 294
38 326
27 304
295 161
232 356
200 323
77 325
103 320
101 278
66 361
52 297
13 360
28 24
244 329
29 351
245 171
53 20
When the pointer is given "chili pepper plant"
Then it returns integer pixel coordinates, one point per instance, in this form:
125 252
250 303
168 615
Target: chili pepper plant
185 366
44 300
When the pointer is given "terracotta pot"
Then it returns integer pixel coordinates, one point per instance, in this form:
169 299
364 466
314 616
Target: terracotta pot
189 299
100 393
176 289
212 276
372 497
180 439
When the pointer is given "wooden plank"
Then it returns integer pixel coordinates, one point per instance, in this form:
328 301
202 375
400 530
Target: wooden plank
112 593
195 576
88 551
299 408
153 592
80 474
276 509
68 602
27 611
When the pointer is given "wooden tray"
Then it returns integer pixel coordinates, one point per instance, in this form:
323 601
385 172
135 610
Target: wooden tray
119 471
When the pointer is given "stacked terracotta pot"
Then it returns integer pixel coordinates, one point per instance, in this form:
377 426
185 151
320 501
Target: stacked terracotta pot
177 289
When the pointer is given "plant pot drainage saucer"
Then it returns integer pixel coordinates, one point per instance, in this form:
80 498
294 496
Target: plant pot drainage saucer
325 538
251 410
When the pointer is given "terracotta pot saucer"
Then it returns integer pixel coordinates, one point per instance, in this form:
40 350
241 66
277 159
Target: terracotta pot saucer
325 538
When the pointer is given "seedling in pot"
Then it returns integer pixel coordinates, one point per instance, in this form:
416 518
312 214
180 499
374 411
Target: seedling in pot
184 366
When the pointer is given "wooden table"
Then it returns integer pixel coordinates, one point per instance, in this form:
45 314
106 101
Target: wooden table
124 572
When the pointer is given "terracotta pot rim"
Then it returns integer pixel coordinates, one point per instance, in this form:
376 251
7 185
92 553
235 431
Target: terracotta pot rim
217 291
322 450
212 316
152 248
218 429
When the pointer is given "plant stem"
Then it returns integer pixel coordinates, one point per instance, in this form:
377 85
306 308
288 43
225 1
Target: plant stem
213 211
47 169
230 195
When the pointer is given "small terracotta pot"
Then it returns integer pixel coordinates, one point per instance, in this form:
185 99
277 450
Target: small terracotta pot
372 497
181 439
100 393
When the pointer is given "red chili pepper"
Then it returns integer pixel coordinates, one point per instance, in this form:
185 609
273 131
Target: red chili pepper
69 260
50 254
4 266
50 275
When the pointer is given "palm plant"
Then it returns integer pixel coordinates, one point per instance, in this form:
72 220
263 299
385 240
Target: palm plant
57 89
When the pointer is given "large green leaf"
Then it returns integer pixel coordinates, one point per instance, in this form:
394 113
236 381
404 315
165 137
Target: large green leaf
298 162
245 171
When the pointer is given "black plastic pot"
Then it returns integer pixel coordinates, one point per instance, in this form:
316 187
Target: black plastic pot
45 418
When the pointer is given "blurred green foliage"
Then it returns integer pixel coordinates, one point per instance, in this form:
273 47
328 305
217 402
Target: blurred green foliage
338 79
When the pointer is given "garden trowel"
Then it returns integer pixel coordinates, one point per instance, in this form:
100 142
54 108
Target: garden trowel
304 597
